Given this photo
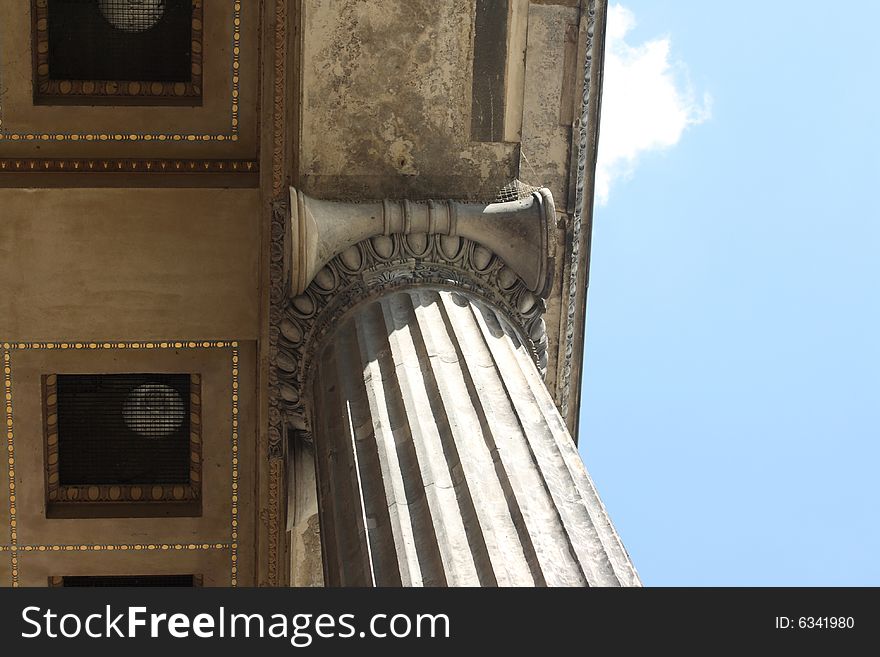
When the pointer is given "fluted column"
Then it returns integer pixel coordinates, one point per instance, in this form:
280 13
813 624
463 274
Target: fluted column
442 459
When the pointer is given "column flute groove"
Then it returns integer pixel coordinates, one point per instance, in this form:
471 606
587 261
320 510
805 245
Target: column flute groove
443 458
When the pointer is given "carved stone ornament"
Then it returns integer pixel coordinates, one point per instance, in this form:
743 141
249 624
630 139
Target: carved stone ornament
352 253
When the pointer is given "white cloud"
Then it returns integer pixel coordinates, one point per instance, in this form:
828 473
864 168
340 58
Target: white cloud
646 105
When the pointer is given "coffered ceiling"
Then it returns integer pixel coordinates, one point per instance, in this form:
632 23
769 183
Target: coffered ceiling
208 123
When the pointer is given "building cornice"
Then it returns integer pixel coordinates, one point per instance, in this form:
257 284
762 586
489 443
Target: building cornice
594 13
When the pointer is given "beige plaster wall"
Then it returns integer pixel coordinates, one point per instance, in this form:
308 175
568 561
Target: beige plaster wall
128 264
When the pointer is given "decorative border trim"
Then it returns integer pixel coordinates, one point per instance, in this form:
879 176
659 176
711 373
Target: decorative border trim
10 447
233 546
275 531
127 547
47 90
278 101
277 304
13 548
155 344
279 214
109 165
231 135
86 495
236 65
580 209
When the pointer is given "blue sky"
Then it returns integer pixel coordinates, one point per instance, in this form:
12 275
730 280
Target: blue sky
730 398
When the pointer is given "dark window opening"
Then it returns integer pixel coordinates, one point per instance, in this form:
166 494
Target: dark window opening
147 40
123 429
129 580
490 62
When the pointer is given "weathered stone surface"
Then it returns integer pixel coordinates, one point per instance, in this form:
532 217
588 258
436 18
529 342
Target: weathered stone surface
402 68
306 563
546 140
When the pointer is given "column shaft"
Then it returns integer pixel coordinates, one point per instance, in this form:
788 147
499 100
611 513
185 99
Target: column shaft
442 459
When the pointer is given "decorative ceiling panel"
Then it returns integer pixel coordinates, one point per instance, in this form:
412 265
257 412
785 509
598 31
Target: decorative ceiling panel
223 127
116 52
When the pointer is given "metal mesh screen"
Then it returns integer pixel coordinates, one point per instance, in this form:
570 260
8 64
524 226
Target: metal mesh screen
515 190
130 580
125 40
132 15
123 429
